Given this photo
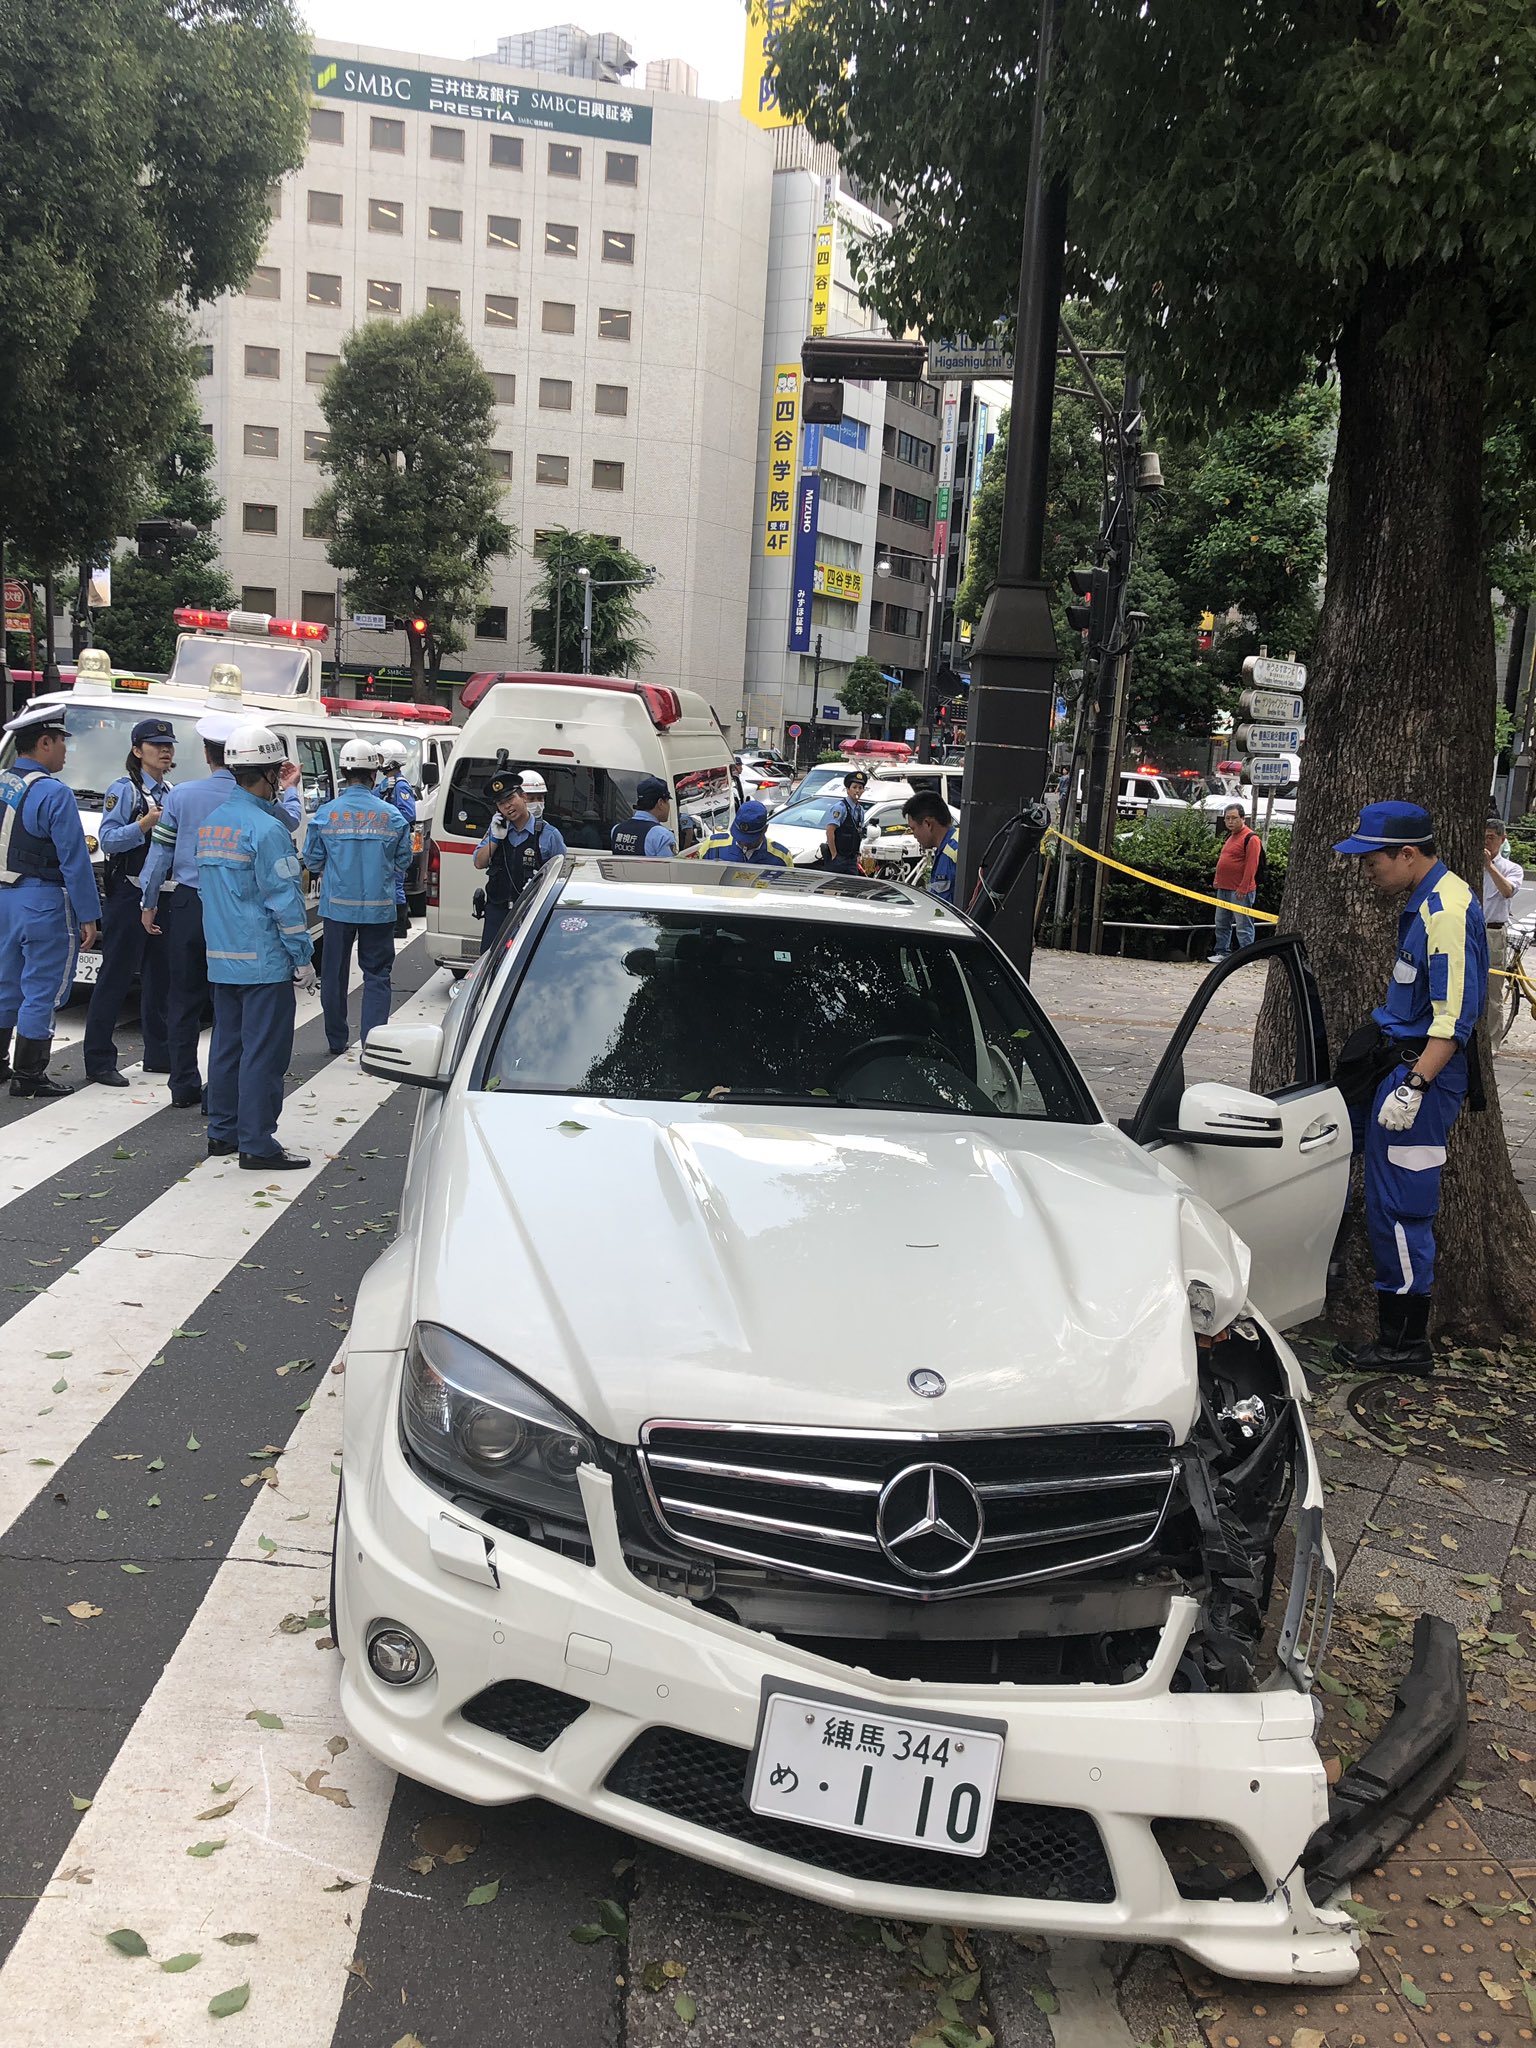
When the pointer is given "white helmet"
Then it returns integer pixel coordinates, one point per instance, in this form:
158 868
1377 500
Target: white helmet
361 754
253 746
532 783
392 753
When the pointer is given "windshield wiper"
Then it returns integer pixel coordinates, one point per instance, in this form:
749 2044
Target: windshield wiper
758 1097
90 796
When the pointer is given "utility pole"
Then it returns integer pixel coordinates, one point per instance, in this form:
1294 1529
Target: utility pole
816 687
1013 661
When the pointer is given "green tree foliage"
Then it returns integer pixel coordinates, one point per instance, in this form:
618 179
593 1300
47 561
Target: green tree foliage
136 148
905 711
863 690
139 630
618 647
1267 194
412 503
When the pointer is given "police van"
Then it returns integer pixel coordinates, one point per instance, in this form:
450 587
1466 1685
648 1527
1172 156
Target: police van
592 738
279 667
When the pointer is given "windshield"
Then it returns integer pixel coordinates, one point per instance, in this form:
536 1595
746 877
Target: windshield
698 1005
411 742
268 668
100 736
814 813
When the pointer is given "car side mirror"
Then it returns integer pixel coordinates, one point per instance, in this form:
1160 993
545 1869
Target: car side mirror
429 775
406 1052
1211 1113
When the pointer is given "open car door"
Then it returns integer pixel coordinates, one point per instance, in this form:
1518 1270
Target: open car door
1275 1165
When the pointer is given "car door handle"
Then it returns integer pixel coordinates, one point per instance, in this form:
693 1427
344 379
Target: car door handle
1315 1136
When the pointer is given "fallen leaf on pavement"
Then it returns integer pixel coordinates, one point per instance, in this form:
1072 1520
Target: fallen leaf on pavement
176 1965
82 1610
128 1942
334 1793
228 2002
484 1894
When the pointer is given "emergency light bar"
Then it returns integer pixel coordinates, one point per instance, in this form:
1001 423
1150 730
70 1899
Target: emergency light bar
665 706
427 714
253 623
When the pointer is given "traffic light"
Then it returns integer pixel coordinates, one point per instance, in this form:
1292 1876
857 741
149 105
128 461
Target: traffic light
419 626
1091 588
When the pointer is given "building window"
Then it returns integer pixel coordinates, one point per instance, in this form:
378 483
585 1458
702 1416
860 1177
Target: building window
834 611
448 145
908 506
557 317
443 297
202 359
564 160
315 527
259 597
623 168
319 607
491 623
386 216
321 289
900 619
258 518
607 476
264 282
318 367
613 323
384 133
500 311
383 296
842 490
555 394
560 239
552 469
618 248
848 433
261 441
503 231
507 152
504 386
444 224
327 124
206 427
325 209
501 461
315 445
263 362
613 399
275 201
919 453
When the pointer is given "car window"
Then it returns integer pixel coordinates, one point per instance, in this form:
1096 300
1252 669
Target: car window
675 1006
582 804
814 814
314 770
100 736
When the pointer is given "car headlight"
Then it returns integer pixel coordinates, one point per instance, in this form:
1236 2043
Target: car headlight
1202 1307
482 1427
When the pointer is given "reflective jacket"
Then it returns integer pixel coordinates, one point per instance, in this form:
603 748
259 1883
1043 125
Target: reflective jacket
946 867
726 846
357 844
248 878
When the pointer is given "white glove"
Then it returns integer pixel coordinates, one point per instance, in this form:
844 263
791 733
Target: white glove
1399 1109
499 827
305 978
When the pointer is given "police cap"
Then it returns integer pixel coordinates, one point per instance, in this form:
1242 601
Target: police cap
504 783
33 721
160 731
1386 828
752 820
650 792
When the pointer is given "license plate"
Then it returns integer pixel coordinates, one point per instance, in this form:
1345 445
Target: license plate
925 1781
87 966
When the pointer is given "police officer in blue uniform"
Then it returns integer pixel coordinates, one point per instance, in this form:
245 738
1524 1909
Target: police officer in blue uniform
130 812
747 842
648 831
845 827
517 845
49 907
394 789
258 945
1406 1074
169 898
937 833
358 844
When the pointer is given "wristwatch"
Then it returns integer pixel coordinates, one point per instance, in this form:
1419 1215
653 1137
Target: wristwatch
1415 1080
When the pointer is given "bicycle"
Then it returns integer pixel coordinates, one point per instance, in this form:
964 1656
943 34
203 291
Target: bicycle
1503 1013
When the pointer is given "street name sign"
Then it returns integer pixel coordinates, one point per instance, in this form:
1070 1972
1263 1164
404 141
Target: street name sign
1271 704
1263 672
962 360
1264 772
370 622
1270 739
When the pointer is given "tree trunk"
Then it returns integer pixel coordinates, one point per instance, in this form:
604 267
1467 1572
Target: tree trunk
1400 705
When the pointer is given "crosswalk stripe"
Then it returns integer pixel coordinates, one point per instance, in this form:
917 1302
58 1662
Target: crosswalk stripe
104 1321
295 1862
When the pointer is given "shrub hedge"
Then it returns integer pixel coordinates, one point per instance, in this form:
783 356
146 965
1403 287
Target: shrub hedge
1182 850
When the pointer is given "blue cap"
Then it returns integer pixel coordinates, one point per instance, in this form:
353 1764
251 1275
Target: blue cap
650 792
1383 828
752 820
159 730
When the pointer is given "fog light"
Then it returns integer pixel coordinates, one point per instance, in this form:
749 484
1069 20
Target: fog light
395 1655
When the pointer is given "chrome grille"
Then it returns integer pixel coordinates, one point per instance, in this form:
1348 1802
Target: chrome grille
1048 1501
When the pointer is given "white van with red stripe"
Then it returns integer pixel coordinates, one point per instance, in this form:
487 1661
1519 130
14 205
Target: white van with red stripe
592 738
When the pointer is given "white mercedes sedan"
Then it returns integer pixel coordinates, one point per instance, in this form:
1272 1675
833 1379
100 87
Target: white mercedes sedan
956 1605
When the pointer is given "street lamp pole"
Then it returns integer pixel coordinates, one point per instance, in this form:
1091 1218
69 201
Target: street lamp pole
589 583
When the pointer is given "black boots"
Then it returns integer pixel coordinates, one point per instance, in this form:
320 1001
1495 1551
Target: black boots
1402 1345
29 1074
5 1055
402 922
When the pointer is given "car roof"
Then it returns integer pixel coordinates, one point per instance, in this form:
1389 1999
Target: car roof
613 882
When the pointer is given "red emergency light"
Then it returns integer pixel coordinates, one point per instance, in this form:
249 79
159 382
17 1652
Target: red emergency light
249 623
353 707
664 706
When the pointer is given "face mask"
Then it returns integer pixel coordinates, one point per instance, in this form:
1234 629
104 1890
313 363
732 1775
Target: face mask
535 807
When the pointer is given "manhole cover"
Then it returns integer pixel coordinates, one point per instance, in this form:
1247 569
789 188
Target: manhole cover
1458 1420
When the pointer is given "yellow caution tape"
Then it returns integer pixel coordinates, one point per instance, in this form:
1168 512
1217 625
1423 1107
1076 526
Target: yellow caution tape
1173 888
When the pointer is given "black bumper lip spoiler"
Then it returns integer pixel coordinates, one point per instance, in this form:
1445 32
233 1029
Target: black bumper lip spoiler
1415 1759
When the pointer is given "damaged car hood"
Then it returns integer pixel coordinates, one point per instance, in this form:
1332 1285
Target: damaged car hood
643 1261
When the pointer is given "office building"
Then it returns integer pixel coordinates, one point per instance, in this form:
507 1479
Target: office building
904 591
606 253
671 74
567 51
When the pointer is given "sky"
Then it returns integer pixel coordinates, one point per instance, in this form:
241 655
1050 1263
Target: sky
710 34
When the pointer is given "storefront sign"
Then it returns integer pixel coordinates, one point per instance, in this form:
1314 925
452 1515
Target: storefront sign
832 580
803 582
759 86
783 426
821 280
450 96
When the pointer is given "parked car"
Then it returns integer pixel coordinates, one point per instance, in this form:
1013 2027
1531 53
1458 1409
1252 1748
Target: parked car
957 1613
766 776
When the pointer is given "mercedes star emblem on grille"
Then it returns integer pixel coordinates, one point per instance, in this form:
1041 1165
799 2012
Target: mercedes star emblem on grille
929 1521
927 1382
